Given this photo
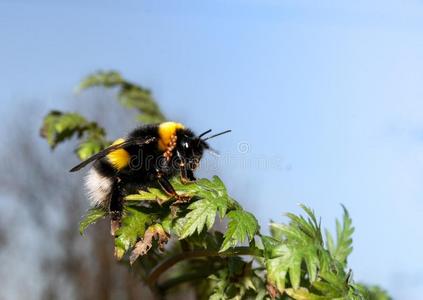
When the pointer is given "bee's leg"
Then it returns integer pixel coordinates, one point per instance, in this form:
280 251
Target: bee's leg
186 174
165 184
162 180
168 188
115 208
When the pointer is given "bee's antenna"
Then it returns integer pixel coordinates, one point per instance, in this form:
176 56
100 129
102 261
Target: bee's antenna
204 133
217 134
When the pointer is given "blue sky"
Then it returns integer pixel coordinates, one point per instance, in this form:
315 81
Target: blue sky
330 93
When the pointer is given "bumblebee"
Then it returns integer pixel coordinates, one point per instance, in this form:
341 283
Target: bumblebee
148 156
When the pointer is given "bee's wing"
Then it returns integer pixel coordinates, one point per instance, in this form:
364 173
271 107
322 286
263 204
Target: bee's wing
129 142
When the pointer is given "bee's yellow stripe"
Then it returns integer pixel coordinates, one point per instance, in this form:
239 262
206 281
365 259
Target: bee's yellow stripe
166 131
120 157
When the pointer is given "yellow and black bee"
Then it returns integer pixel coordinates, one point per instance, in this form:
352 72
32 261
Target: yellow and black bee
151 154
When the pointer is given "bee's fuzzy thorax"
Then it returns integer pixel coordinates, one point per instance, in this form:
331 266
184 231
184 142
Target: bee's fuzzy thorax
166 131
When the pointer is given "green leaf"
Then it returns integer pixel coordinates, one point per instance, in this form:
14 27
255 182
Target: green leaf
202 215
296 254
204 188
305 294
210 197
134 224
344 232
130 95
301 243
101 78
286 259
322 290
167 222
90 147
152 194
58 126
241 227
213 199
372 292
155 194
92 216
236 282
206 240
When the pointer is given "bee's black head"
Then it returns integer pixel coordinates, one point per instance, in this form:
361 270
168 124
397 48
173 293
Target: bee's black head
191 147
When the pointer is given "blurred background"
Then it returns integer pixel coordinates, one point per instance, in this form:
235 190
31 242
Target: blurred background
324 99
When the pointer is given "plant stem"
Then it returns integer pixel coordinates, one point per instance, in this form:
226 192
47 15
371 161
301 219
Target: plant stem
170 283
171 261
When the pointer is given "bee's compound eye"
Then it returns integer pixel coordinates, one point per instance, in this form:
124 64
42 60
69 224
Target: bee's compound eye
186 145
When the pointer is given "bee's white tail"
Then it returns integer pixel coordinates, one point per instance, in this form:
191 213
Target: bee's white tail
99 188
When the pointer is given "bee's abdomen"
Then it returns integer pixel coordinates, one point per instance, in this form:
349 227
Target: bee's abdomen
99 184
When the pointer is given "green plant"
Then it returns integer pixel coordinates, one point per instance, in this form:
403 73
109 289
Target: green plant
173 244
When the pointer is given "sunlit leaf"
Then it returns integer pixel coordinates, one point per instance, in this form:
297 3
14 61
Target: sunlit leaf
344 233
134 224
242 227
130 95
92 216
